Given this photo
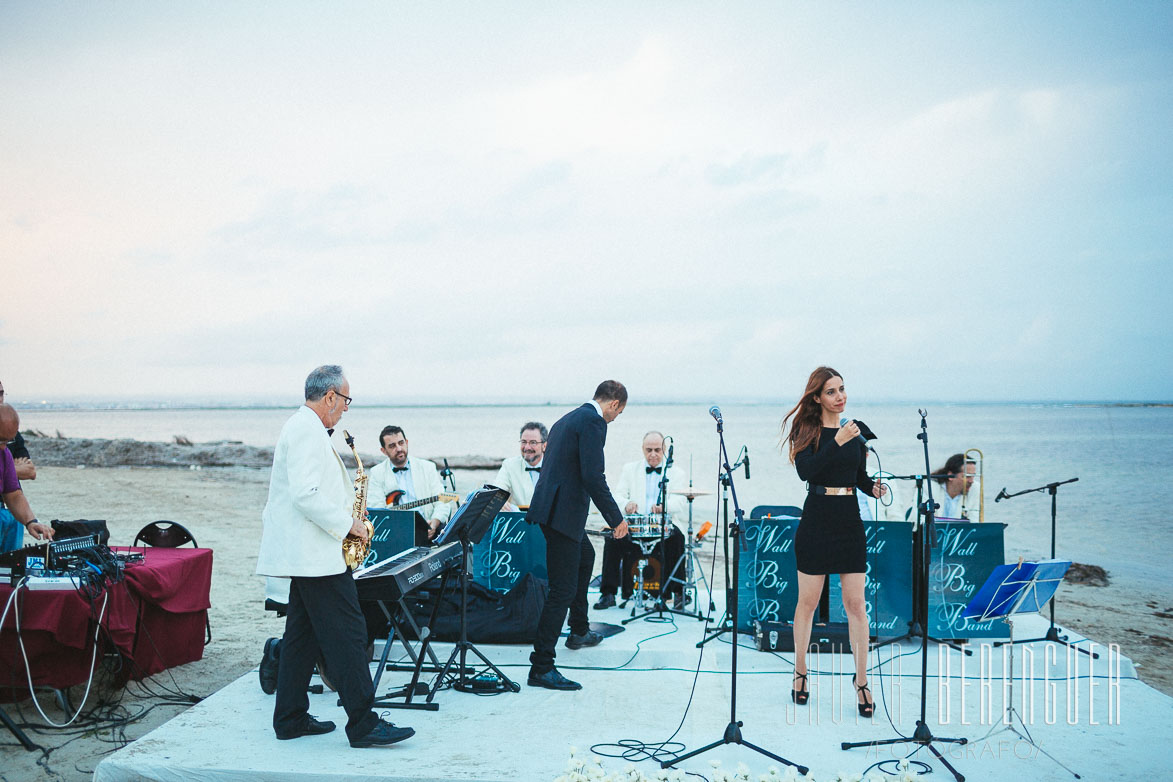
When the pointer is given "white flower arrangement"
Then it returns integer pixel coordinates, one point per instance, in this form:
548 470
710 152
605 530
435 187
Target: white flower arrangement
591 770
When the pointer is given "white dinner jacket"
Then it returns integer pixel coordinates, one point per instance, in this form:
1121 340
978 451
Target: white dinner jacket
513 476
310 498
425 480
632 488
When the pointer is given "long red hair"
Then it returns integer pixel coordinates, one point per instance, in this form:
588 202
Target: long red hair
807 425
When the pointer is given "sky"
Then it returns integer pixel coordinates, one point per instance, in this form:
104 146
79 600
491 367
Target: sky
513 201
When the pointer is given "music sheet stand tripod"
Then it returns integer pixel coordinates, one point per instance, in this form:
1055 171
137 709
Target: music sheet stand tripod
1052 632
469 525
1017 589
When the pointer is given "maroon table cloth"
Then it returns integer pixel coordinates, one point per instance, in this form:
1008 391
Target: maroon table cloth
155 618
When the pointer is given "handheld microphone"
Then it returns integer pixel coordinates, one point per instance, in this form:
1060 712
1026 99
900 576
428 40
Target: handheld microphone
716 413
747 464
1002 495
860 437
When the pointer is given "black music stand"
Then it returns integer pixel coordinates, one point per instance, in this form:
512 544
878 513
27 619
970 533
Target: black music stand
1017 589
922 735
469 524
1052 632
732 733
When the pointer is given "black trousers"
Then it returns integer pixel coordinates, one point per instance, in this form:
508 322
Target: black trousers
323 617
619 555
569 564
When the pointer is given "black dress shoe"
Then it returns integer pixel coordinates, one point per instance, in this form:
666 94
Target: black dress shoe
552 680
382 734
312 727
589 638
269 665
605 601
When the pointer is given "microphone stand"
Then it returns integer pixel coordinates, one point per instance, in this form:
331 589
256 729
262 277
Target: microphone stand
1052 631
446 474
726 623
919 626
922 735
733 729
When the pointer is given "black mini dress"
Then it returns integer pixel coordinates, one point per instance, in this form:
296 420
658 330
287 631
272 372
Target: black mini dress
830 536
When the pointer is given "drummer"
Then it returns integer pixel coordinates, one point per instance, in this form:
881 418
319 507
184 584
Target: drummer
638 492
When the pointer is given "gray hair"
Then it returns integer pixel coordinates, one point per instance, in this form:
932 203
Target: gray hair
652 433
535 425
322 381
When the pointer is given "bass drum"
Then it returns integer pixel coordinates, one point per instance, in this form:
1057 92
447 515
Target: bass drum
653 574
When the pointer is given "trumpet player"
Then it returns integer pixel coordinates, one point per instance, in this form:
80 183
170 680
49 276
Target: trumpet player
306 518
955 479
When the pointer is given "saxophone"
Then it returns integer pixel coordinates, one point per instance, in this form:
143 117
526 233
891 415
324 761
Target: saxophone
354 548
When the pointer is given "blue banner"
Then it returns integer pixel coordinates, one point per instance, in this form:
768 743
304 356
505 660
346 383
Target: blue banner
767 584
888 588
394 532
963 557
509 550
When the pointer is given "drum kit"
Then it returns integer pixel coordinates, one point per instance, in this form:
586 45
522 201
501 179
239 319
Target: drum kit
646 531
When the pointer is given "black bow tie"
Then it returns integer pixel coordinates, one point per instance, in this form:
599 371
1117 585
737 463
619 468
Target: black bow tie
533 469
399 469
654 469
329 432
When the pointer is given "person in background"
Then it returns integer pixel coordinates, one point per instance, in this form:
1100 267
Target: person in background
955 479
17 516
417 479
25 469
638 492
519 474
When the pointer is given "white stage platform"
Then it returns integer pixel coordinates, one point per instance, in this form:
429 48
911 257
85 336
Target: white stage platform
526 737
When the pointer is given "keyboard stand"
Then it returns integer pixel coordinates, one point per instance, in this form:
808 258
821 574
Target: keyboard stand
395 626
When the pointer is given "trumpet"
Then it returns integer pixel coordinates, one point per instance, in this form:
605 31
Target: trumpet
978 470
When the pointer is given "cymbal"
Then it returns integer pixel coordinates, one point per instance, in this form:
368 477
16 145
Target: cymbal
691 492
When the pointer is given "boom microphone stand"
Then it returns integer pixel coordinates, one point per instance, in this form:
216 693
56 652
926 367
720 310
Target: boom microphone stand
733 729
922 735
1052 631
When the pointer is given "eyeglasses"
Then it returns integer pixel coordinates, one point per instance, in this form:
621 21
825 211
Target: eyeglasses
532 442
344 396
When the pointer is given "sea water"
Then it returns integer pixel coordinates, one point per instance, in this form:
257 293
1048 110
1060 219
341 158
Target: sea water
1111 517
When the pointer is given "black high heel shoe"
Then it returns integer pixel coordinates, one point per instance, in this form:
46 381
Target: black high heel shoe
800 696
867 708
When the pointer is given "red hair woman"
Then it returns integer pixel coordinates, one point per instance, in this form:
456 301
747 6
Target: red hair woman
830 536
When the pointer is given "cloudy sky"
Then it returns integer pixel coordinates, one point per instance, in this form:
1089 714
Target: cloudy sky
492 201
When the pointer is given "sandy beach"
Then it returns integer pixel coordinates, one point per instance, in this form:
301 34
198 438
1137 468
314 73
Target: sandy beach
222 507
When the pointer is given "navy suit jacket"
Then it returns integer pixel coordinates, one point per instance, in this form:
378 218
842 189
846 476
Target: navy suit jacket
572 475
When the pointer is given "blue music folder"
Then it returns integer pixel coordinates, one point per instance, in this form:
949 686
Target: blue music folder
1021 588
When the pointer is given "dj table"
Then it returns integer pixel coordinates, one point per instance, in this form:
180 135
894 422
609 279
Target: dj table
154 619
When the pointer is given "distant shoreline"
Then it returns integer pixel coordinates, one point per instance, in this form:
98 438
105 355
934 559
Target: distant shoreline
118 407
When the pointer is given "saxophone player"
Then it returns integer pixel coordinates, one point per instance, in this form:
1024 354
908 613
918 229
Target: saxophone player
306 519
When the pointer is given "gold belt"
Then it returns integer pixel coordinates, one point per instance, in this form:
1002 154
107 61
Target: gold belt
833 490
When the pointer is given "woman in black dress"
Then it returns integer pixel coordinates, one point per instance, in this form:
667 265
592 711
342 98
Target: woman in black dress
830 536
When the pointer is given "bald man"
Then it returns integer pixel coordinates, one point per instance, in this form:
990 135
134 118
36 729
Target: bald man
12 496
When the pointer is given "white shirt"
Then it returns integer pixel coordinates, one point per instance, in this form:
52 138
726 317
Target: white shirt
950 506
420 480
598 408
652 485
516 478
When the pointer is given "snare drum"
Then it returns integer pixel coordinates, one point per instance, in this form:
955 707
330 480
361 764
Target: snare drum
644 527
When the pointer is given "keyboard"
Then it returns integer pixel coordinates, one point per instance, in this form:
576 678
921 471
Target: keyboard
401 574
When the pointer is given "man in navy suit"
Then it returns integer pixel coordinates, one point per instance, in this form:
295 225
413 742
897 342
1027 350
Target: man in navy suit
572 477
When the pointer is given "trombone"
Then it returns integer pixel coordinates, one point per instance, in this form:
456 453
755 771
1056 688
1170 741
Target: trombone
978 470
